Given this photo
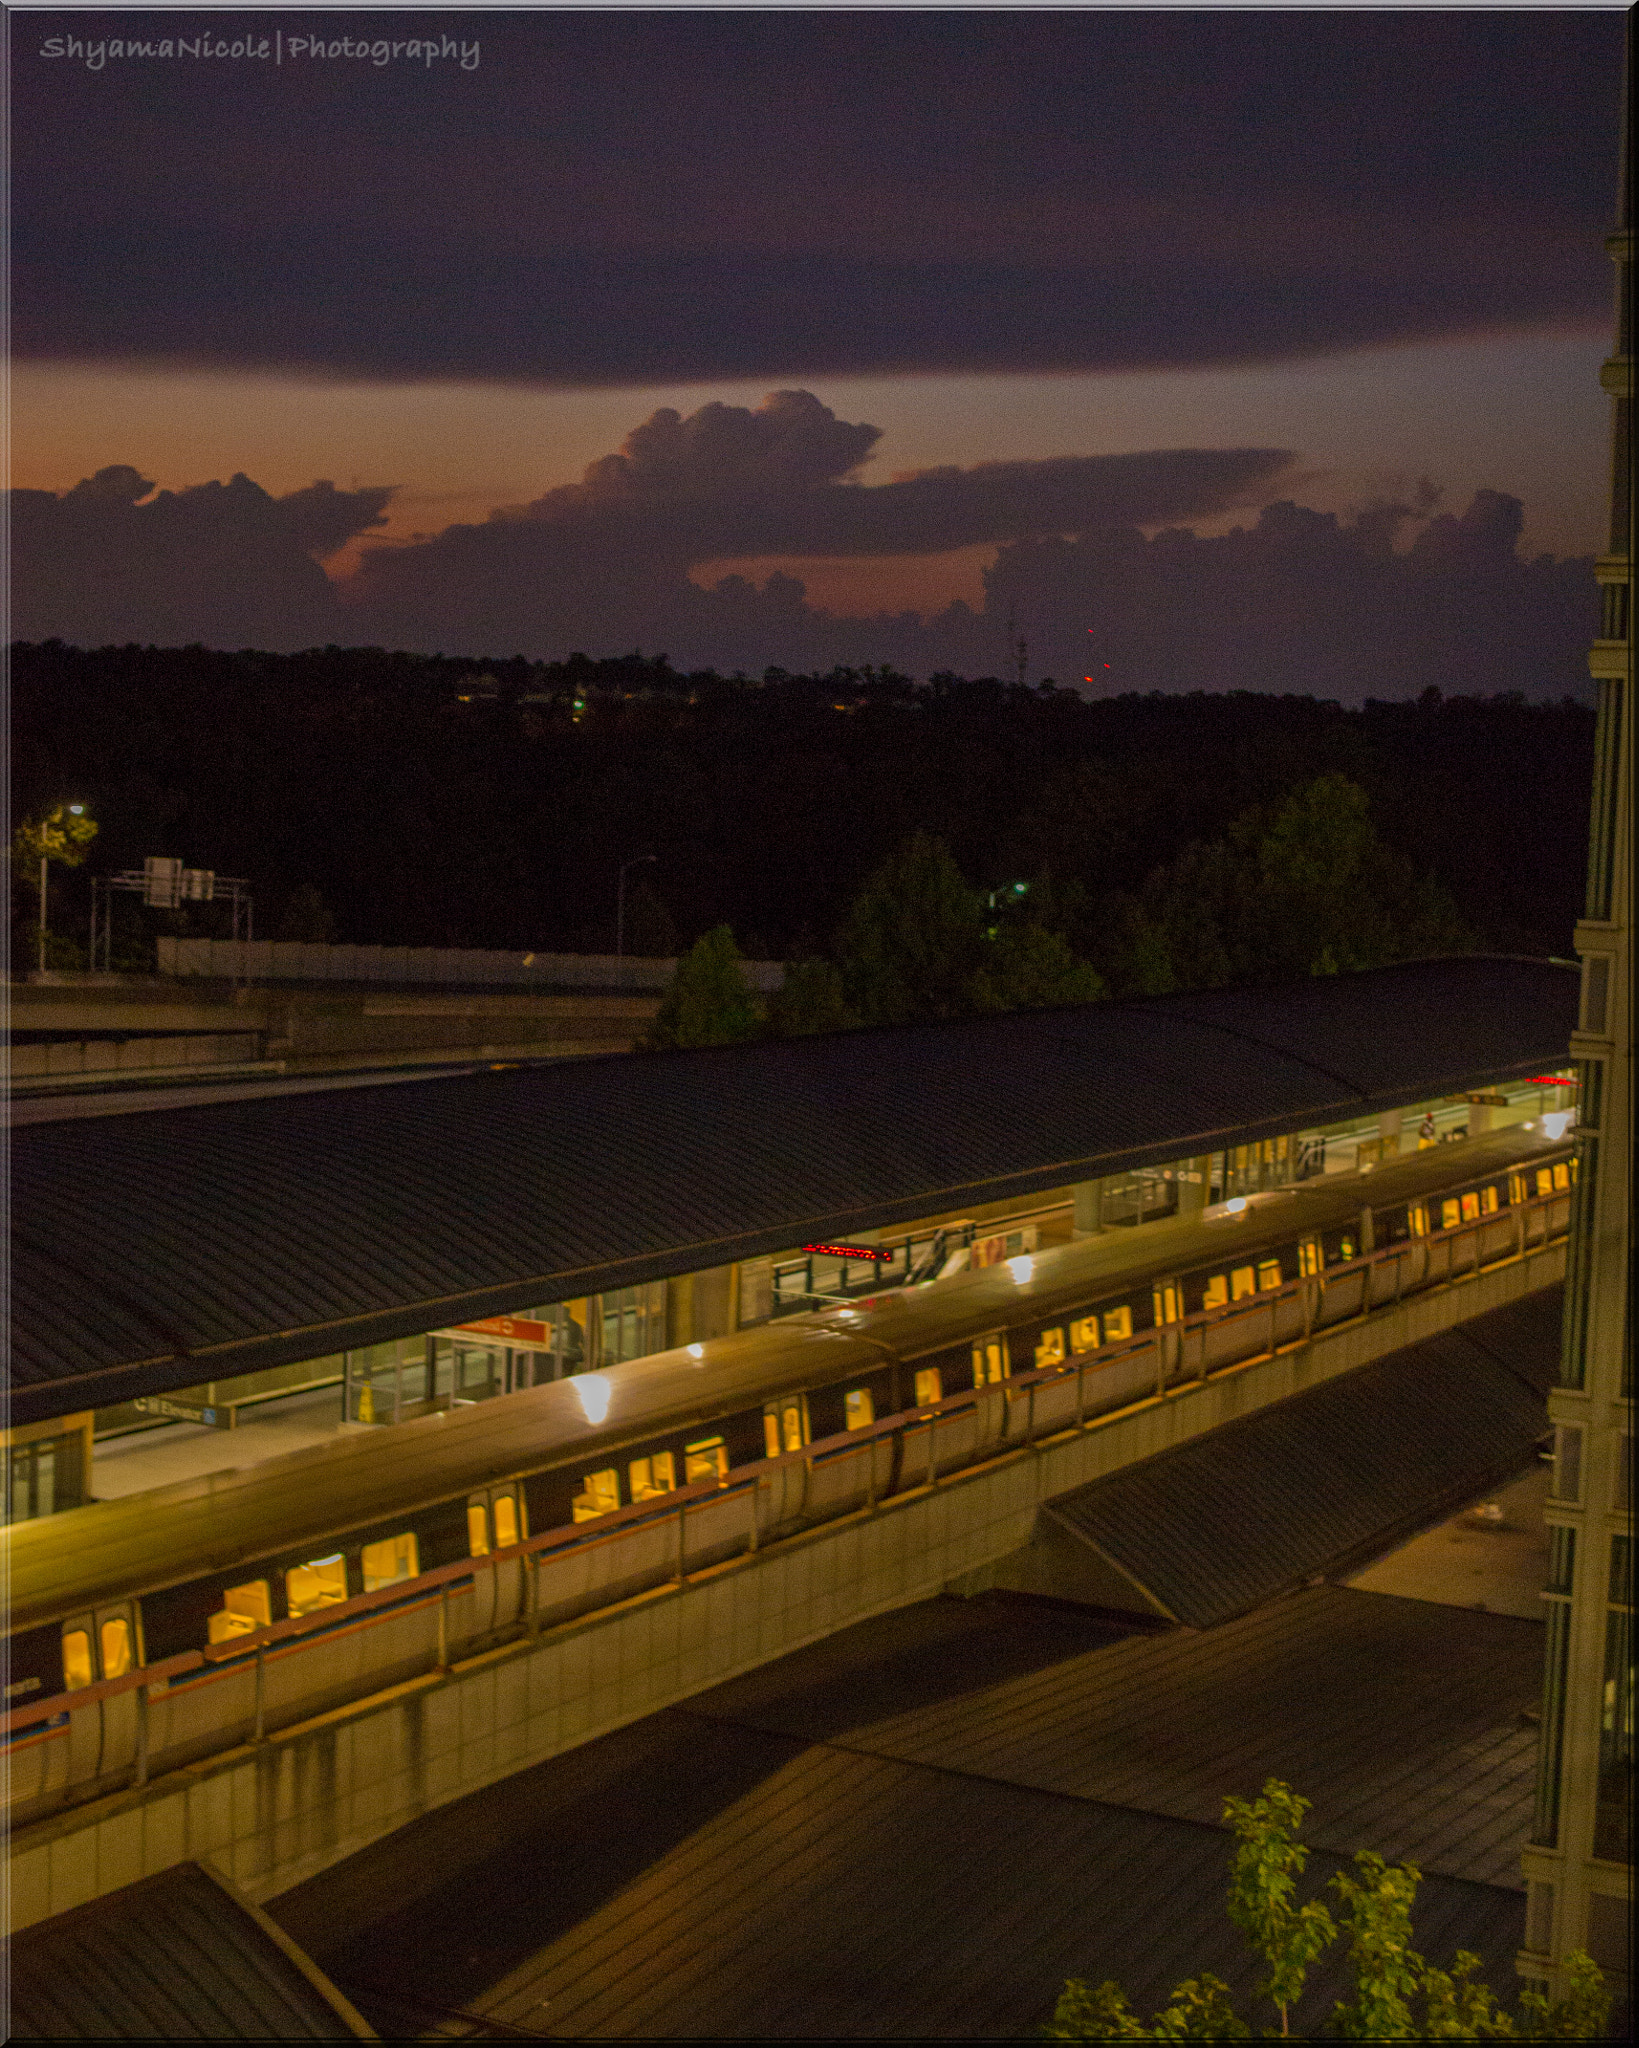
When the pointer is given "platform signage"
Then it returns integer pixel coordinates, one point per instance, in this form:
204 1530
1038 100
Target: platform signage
516 1329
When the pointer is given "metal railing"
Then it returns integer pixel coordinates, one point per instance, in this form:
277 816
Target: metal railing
785 1495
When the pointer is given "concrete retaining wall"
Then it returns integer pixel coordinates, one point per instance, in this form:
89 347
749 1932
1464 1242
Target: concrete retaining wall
286 960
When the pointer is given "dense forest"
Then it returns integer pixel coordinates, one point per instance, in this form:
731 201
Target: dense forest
1166 840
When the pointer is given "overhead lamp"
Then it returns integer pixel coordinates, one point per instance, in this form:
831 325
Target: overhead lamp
1021 1268
696 1352
1236 1205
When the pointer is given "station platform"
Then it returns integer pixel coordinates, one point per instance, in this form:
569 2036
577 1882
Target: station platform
924 1824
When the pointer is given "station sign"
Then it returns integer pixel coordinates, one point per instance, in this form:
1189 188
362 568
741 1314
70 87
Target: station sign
179 1411
515 1329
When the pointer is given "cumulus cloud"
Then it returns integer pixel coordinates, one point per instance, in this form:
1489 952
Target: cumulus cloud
1382 603
1305 601
226 564
606 559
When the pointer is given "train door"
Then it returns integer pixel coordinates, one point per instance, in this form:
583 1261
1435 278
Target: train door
106 1643
785 1425
990 1364
495 1521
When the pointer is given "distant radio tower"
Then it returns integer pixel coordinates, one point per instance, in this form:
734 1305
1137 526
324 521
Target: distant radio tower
1018 651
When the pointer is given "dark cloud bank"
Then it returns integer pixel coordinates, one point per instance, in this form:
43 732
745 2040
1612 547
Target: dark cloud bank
650 198
1385 603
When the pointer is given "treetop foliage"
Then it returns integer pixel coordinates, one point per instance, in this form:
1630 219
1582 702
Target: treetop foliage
1398 1995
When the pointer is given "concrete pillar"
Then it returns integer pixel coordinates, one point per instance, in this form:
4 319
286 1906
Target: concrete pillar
680 1310
1479 1118
1192 1193
1388 1130
1088 1200
715 1304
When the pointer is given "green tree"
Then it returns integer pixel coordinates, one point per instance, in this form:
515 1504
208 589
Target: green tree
913 941
1391 1980
63 834
810 1000
1304 887
708 1002
1028 967
1262 1883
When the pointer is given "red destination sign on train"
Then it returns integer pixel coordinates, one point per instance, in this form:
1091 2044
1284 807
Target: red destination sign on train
849 1251
519 1328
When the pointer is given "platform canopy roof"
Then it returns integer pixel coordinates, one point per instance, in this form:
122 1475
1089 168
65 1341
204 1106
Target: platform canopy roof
157 1250
1323 1483
182 1955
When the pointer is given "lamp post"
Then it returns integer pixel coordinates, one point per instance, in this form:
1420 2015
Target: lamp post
63 834
636 861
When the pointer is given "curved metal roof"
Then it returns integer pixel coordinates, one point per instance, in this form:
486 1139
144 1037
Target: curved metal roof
157 1250
1334 1476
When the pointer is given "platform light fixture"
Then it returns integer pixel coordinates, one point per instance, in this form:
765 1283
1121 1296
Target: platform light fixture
594 1395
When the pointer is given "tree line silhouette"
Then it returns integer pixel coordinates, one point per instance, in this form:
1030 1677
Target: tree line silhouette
1164 840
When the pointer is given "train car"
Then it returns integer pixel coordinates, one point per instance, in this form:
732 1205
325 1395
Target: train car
410 1534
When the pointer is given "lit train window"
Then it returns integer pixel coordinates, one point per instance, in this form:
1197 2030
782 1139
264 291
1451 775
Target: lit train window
785 1425
649 1476
248 1607
705 1460
601 1495
1166 1305
860 1408
1545 1180
1217 1292
1575 1163
505 1509
929 1387
1471 1208
1269 1273
1243 1281
990 1360
1516 1187
1050 1348
1450 1213
1488 1201
1118 1324
1417 1219
477 1529
1562 1175
115 1640
76 1658
320 1584
385 1563
1308 1258
1084 1334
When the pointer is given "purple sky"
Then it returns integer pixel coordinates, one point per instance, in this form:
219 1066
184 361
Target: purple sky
1011 278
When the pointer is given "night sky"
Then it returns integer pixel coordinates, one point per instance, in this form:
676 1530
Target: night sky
762 338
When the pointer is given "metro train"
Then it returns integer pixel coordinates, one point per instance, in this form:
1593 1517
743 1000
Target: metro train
395 1547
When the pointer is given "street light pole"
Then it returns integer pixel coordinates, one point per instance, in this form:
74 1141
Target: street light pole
636 861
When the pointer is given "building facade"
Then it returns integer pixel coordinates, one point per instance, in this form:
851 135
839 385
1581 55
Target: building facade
1579 1866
